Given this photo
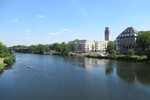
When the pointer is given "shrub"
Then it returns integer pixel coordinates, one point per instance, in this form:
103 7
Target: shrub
9 60
131 52
56 53
71 54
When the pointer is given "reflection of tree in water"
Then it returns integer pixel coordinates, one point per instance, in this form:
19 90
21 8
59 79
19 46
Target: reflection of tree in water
133 72
109 67
143 76
128 71
1 72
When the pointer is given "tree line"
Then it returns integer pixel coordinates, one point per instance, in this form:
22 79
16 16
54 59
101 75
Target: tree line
62 48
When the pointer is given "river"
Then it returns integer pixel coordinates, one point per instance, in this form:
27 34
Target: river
74 78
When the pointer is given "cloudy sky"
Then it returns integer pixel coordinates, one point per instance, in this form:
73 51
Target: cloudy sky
28 22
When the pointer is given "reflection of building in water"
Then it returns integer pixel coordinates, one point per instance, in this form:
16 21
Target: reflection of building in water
93 63
134 72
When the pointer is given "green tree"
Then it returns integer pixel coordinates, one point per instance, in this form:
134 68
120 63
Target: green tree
71 46
47 49
93 47
111 48
63 48
143 41
55 46
3 50
131 52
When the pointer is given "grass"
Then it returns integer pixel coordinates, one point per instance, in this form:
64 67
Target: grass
121 57
2 65
1 60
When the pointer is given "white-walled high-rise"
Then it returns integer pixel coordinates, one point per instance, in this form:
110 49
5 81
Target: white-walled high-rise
93 45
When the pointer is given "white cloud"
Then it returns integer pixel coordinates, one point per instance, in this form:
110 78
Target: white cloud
67 30
57 33
40 16
27 30
15 20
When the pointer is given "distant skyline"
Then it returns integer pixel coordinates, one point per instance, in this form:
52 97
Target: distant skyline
29 22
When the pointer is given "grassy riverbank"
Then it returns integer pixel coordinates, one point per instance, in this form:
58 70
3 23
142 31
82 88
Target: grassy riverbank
2 65
121 57
67 54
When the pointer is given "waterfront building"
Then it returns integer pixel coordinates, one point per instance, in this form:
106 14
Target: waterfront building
91 46
127 40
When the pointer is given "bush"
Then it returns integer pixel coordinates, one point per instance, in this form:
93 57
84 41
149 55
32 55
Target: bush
131 52
56 53
9 60
71 54
121 56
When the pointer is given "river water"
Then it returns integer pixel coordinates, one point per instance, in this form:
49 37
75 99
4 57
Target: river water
74 78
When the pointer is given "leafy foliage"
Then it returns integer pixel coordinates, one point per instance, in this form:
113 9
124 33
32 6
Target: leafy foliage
131 52
143 41
63 47
111 48
4 52
71 46
9 60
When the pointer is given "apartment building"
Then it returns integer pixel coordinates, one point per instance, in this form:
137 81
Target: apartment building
90 45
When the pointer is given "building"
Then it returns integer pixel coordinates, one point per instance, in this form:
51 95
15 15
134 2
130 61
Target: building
100 46
127 40
93 45
107 32
84 45
90 45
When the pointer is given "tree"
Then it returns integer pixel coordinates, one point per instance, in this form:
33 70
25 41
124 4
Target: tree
54 46
143 41
3 50
111 48
63 48
47 49
71 46
131 52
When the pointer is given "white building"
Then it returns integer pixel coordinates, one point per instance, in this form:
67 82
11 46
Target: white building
90 45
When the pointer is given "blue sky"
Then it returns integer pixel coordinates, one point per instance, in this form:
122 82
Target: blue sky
28 22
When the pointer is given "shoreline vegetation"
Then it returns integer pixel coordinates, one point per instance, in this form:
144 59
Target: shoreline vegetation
135 58
7 58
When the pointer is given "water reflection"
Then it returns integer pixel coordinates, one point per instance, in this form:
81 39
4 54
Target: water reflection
87 62
131 72
1 72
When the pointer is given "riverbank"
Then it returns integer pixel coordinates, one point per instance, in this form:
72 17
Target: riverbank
134 58
2 65
7 62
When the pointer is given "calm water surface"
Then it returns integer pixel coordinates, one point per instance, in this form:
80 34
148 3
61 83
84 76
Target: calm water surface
74 78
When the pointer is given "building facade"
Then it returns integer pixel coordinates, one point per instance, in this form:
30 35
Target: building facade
90 45
127 40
